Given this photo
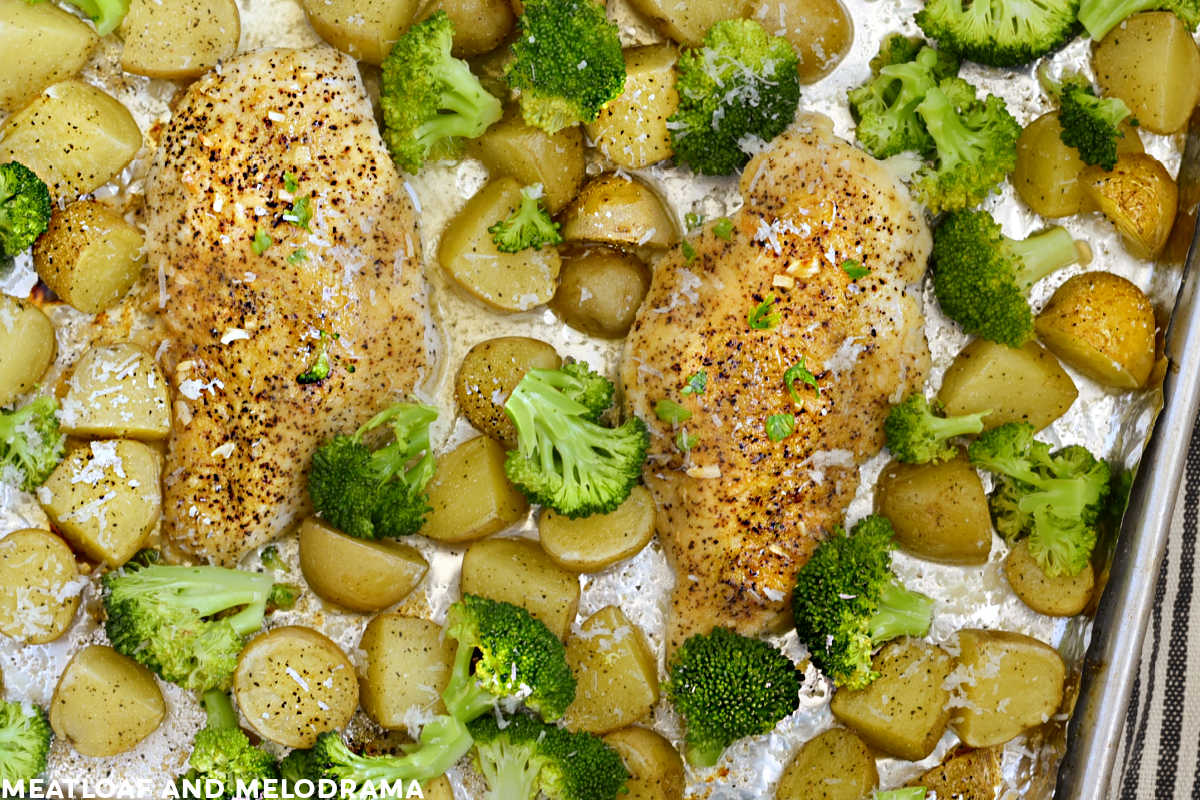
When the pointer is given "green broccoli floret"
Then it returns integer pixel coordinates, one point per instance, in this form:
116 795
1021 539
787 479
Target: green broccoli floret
736 92
504 656
283 597
567 63
520 756
975 145
1090 124
222 752
1054 498
906 793
917 435
726 687
431 100
564 459
528 226
847 602
371 494
885 106
31 444
185 623
24 208
982 278
1099 17
1000 33
24 742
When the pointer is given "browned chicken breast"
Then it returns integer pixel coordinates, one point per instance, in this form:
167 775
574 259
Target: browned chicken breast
278 226
739 513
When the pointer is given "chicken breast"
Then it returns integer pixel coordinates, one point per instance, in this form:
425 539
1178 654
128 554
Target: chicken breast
278 226
740 513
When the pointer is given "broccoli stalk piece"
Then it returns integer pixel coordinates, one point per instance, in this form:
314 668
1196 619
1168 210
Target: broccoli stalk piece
1089 123
1000 33
528 226
847 602
916 435
431 100
906 793
1099 17
31 445
567 63
185 623
222 752
564 459
370 494
519 660
727 687
982 278
106 15
24 208
520 756
443 741
736 92
24 743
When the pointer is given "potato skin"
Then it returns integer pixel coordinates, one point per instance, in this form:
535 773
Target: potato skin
1139 197
621 211
530 155
105 703
480 26
820 31
589 544
1061 596
939 511
965 775
36 570
834 765
687 23
178 38
39 45
89 256
1152 63
600 290
359 574
489 372
366 29
27 347
1025 384
655 768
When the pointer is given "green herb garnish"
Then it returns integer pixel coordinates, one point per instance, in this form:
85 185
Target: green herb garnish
672 412
697 382
763 317
799 372
723 228
689 252
780 426
261 242
854 269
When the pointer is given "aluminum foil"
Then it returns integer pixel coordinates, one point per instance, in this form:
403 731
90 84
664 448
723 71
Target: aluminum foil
1111 424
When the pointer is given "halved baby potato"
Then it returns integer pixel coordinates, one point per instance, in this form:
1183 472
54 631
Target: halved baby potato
939 511
1139 197
616 670
407 668
600 290
39 586
480 26
589 544
1059 596
105 703
820 32
470 495
655 768
517 571
532 156
366 29
27 347
632 129
39 45
619 210
1152 62
116 391
1017 384
176 39
966 774
834 765
489 372
360 574
687 22
89 256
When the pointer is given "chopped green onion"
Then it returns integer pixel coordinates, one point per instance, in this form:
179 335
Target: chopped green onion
763 317
686 441
799 372
697 382
689 252
723 228
297 256
672 412
854 269
692 220
300 213
261 242
290 184
780 426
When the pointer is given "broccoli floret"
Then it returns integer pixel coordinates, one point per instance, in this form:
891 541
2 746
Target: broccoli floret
31 445
24 208
1054 498
520 756
737 91
1090 124
528 226
222 752
283 597
567 63
982 278
1000 33
178 622
272 560
371 494
564 459
847 602
431 100
726 687
24 742
975 145
519 659
917 435
906 793
1099 17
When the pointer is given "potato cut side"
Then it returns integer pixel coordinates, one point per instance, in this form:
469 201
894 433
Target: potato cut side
176 39
116 391
470 495
90 256
366 29
617 673
360 574
966 775
622 211
531 156
834 765
407 667
489 372
40 44
105 703
600 290
655 768
820 32
27 347
517 571
1152 62
632 129
39 586
1024 384
939 511
1139 197
1060 596
590 544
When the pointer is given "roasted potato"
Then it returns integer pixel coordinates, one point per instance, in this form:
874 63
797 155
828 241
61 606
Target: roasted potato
518 572
116 391
360 574
1006 683
40 44
105 703
489 372
687 23
39 586
619 210
1139 197
74 136
89 256
1061 596
820 31
407 668
632 129
470 495
834 765
965 775
1024 384
480 26
600 290
27 346
176 39
939 511
655 768
589 544
292 684
532 156
105 498
366 29
1152 63
617 673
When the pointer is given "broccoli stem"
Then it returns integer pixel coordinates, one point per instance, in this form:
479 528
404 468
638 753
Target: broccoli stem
443 742
510 771
954 141
1042 254
410 428
467 109
703 754
1099 17
219 710
943 428
211 590
464 698
902 612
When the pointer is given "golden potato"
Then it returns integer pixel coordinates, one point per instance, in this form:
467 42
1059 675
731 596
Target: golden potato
74 136
27 346
532 156
1006 683
116 391
1102 325
480 26
1024 384
105 703
589 544
1061 596
965 775
366 29
517 571
619 210
600 290
820 31
40 44
407 668
470 495
655 768
939 511
489 372
1139 197
632 129
616 671
89 256
292 684
360 574
1152 63
834 765
903 712
39 586
687 22
105 498
176 39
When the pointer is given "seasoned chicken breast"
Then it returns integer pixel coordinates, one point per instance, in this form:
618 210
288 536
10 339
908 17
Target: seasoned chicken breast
278 226
739 513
